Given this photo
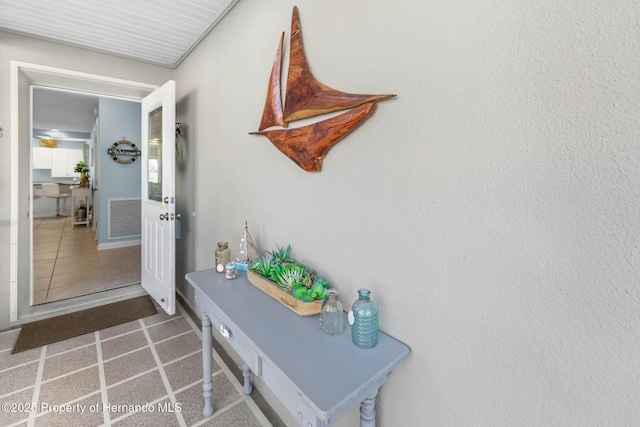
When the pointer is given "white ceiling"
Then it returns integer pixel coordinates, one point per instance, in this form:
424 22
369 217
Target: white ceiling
162 32
65 111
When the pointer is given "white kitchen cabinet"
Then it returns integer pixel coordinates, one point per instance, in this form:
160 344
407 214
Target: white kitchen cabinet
42 157
63 160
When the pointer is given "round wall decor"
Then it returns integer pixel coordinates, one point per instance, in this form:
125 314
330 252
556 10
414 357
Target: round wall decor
124 155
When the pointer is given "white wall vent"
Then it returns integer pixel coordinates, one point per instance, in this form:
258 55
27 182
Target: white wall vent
125 218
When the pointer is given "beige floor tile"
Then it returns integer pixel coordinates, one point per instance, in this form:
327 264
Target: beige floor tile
41 284
43 269
67 245
88 258
72 253
46 236
45 255
74 279
78 289
45 247
77 268
40 296
113 270
121 280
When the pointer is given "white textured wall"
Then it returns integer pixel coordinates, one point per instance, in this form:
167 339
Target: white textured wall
492 208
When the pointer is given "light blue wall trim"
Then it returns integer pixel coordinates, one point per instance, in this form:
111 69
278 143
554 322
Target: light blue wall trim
118 119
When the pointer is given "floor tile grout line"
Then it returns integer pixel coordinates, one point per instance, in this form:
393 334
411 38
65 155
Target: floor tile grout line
133 377
163 374
36 387
121 335
106 417
84 368
136 330
171 362
18 366
69 350
128 353
4 396
201 380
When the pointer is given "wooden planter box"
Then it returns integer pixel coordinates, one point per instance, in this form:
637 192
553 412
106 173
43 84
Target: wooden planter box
296 305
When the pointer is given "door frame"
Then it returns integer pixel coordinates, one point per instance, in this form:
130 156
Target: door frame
22 76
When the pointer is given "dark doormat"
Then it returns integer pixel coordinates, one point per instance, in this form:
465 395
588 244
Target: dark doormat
47 331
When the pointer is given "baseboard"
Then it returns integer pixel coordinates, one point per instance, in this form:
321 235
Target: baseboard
115 245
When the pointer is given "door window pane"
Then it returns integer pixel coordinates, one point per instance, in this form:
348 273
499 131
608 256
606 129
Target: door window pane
154 163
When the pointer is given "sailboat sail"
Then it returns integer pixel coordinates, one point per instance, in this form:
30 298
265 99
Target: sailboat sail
306 96
272 113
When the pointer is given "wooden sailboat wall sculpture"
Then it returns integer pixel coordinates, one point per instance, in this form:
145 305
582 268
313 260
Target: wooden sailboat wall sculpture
307 97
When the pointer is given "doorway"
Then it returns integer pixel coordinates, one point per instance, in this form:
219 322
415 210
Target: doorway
23 76
71 257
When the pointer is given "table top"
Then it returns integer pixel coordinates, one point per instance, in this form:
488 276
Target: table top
329 370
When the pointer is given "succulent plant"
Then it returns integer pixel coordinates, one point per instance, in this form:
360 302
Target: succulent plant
290 276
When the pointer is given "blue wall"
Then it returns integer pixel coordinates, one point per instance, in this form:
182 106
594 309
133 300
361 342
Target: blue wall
117 119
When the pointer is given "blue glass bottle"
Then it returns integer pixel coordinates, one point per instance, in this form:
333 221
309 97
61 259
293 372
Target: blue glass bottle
364 331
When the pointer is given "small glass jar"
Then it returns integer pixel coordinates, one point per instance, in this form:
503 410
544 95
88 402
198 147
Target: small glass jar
332 315
230 271
364 321
223 256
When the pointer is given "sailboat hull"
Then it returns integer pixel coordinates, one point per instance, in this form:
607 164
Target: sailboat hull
308 145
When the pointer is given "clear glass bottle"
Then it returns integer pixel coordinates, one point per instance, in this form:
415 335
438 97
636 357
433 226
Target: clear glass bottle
223 256
364 321
230 270
332 315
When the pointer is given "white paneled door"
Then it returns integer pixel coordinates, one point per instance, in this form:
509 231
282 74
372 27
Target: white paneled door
158 196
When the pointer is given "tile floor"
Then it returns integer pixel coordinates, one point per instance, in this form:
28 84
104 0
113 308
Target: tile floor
155 363
66 262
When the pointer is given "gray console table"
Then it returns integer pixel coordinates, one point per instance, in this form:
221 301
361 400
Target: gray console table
319 378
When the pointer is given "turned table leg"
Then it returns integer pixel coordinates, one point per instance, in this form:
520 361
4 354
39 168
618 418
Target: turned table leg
246 373
207 386
368 411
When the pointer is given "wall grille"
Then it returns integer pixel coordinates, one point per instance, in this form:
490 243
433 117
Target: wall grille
125 218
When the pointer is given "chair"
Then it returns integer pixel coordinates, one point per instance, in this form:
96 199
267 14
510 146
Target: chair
51 189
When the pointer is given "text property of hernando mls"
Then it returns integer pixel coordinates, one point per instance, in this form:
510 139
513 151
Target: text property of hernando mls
97 407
